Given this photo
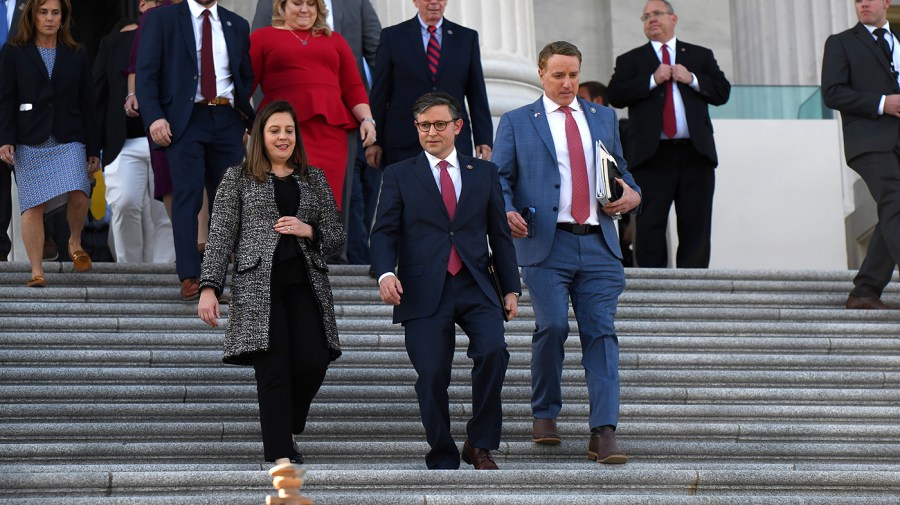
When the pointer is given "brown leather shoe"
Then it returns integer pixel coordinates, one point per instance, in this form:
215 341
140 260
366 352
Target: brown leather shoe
481 459
603 449
867 303
543 431
190 289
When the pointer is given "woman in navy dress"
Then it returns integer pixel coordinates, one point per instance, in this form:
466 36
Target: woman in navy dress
48 129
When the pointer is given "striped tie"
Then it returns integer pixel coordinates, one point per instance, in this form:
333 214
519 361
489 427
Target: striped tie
434 53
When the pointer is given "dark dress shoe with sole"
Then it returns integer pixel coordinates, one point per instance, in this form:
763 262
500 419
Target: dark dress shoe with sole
481 459
603 449
190 289
544 431
867 303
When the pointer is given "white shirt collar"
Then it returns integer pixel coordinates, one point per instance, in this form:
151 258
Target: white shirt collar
425 26
451 158
197 10
551 106
872 28
670 44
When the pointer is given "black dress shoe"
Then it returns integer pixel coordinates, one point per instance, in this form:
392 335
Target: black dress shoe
867 303
296 457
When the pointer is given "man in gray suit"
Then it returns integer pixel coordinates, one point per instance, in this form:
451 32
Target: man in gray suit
358 23
10 12
860 79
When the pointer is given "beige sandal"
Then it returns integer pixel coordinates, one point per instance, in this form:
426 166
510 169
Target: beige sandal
36 281
81 260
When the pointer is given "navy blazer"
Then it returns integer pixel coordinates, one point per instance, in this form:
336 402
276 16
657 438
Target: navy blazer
412 229
34 106
401 77
167 68
855 75
529 172
630 87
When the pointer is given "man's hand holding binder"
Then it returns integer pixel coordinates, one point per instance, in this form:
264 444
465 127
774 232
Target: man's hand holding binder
615 197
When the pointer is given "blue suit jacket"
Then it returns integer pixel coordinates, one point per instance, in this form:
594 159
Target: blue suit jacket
413 229
167 69
401 77
529 172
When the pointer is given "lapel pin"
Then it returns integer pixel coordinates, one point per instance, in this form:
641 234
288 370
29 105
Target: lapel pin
468 167
228 23
537 114
682 49
449 32
593 110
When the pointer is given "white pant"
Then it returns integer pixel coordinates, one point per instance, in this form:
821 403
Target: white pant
140 228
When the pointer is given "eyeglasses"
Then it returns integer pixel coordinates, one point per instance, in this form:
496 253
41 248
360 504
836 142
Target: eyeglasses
440 126
655 15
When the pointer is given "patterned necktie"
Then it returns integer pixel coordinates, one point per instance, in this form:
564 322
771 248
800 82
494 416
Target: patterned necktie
448 193
882 44
4 29
434 53
207 66
670 128
581 207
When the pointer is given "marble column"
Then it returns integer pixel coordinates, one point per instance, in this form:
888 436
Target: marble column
781 43
506 32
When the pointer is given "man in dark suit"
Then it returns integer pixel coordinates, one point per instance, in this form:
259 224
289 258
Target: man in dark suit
566 242
436 215
10 13
860 79
667 86
427 53
193 83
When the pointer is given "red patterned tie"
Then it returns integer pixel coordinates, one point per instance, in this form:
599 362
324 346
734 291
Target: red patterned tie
670 128
581 209
434 53
448 193
207 66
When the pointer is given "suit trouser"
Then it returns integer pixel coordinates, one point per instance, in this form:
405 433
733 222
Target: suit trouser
430 344
290 373
580 267
140 229
5 210
881 173
676 173
364 198
212 142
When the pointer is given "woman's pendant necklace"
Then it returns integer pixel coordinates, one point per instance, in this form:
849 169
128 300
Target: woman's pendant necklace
302 41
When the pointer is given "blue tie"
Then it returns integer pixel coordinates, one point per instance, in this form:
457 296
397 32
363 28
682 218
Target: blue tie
4 29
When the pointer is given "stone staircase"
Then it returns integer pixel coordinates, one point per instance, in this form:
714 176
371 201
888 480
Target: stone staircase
737 387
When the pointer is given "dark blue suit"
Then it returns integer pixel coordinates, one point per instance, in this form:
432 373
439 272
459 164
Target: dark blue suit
401 77
205 140
413 229
558 265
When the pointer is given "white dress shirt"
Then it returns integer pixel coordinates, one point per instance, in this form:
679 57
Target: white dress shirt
557 120
895 57
10 10
329 20
680 118
224 83
426 36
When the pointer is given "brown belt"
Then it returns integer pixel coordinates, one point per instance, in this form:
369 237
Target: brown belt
214 101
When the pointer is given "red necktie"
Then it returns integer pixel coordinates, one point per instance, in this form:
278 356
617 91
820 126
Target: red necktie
207 66
448 193
581 209
434 53
670 128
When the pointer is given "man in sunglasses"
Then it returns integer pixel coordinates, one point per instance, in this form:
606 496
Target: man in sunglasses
436 215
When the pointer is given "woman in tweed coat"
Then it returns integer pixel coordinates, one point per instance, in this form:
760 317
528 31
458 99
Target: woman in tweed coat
278 216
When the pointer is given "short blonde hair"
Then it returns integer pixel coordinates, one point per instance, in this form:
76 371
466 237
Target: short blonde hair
320 27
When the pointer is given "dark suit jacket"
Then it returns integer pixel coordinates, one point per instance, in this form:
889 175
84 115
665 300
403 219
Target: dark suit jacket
167 68
401 77
111 86
630 87
17 16
355 20
413 229
62 106
855 75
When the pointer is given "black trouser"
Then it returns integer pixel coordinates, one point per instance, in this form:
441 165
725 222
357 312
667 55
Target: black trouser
881 173
289 374
676 173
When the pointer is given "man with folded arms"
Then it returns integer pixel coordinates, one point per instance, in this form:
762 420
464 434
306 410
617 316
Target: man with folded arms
566 242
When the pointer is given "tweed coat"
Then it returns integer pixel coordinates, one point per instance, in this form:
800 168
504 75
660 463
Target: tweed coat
242 222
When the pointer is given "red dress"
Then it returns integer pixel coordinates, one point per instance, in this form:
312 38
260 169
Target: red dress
321 81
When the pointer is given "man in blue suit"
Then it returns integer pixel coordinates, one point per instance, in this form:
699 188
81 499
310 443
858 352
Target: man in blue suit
436 215
193 83
566 242
427 53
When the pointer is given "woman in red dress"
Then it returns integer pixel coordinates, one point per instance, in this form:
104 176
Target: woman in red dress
299 59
